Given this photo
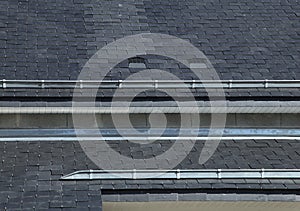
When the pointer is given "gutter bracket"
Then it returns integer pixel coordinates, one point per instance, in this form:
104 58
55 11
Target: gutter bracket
262 173
120 83
178 174
266 83
156 84
134 174
193 84
43 84
219 171
230 84
4 83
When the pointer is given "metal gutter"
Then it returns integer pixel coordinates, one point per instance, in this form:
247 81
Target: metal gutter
168 107
168 133
185 174
144 135
149 84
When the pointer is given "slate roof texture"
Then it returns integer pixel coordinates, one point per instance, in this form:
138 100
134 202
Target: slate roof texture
39 39
30 178
242 39
31 172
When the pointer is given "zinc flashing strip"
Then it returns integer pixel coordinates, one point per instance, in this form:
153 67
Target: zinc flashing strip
185 174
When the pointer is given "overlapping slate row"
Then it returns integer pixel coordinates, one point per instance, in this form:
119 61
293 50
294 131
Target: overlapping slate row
30 178
243 39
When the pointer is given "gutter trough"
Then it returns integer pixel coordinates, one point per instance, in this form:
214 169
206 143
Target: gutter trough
153 132
185 174
143 134
149 84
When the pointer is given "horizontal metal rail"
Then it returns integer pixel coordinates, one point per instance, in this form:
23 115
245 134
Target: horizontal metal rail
185 174
149 84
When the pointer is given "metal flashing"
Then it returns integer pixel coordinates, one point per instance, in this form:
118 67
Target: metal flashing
147 135
289 109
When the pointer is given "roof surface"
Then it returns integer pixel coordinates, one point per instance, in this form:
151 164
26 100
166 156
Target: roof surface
31 172
41 39
242 39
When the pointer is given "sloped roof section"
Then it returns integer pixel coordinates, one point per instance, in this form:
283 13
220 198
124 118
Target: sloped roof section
37 167
53 40
242 39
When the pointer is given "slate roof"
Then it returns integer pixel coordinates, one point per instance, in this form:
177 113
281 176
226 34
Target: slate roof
31 172
242 39
41 39
30 178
